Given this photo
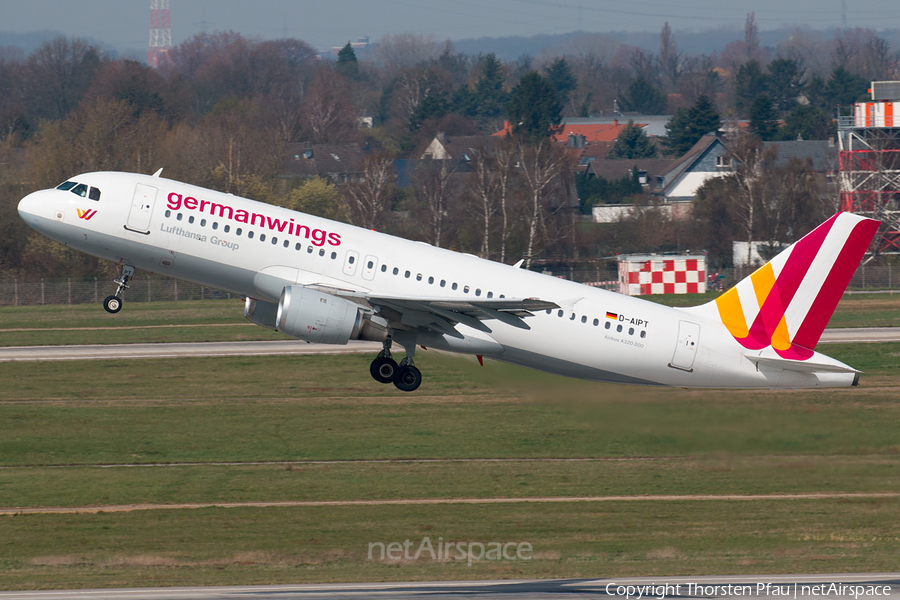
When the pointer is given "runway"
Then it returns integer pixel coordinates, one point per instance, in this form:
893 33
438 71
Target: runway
796 587
289 347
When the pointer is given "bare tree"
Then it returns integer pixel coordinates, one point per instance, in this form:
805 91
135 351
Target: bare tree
541 165
484 186
328 113
504 160
434 184
751 161
369 199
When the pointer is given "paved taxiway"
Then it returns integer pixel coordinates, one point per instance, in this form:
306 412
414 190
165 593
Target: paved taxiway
287 347
785 587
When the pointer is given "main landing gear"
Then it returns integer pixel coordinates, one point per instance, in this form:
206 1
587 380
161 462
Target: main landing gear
405 376
113 304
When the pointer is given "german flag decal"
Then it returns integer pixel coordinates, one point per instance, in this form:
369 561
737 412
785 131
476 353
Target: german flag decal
611 315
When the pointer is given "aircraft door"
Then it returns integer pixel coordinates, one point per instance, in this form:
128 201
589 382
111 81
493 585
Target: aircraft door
350 262
141 208
686 348
369 267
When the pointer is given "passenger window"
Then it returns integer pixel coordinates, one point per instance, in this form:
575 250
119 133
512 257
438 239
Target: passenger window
202 222
94 194
287 243
226 229
643 334
297 246
631 331
607 325
431 280
559 314
478 291
396 271
406 274
262 237
490 294
250 234
619 328
237 231
443 283
168 213
191 219
80 190
384 268
321 251
333 255
466 290
572 318
583 318
418 277
370 264
454 286
351 259
178 217
274 241
309 249
215 225
596 322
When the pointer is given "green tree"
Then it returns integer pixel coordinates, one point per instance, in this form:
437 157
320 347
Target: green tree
632 142
785 83
844 88
749 82
316 196
347 64
489 94
807 122
690 124
432 107
560 75
643 97
763 119
534 108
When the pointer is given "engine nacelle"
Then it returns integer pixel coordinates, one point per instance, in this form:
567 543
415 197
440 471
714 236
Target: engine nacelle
312 316
261 312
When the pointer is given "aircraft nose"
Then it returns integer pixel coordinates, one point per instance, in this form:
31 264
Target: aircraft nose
34 206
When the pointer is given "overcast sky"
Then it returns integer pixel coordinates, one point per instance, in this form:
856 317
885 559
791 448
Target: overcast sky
123 24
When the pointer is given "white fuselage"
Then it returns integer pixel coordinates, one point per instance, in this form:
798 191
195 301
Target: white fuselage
191 233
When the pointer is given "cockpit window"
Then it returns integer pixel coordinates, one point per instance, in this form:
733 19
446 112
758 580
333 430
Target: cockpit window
80 189
66 186
94 194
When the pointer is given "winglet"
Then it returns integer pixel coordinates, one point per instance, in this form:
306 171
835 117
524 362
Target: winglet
158 173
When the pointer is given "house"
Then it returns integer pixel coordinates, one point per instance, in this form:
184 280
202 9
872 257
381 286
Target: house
457 147
592 130
341 163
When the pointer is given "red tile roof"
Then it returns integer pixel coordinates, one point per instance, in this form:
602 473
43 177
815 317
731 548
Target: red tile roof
592 132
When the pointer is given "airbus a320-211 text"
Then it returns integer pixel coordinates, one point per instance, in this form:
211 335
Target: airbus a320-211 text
322 281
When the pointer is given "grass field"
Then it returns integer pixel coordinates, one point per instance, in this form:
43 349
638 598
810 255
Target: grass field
222 320
314 428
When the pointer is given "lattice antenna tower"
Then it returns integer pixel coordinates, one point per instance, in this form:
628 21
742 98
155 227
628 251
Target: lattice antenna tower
160 33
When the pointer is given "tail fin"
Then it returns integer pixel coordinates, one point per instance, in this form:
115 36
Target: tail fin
787 302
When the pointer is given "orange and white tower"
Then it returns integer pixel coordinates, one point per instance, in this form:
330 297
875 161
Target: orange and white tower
870 162
160 33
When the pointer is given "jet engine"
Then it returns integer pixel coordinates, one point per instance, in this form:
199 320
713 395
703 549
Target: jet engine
261 312
312 316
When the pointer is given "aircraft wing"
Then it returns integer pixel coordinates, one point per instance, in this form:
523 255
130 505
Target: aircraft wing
442 314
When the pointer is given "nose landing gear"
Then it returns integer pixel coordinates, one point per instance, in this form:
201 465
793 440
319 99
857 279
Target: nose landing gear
113 304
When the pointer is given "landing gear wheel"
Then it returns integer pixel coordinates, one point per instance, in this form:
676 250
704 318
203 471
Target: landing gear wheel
383 369
407 378
112 304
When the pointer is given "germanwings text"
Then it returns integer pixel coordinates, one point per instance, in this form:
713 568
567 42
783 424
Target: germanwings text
318 237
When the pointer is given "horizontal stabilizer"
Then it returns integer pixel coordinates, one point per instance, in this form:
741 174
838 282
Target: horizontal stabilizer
801 366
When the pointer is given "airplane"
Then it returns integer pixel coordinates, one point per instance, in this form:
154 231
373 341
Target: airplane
322 281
